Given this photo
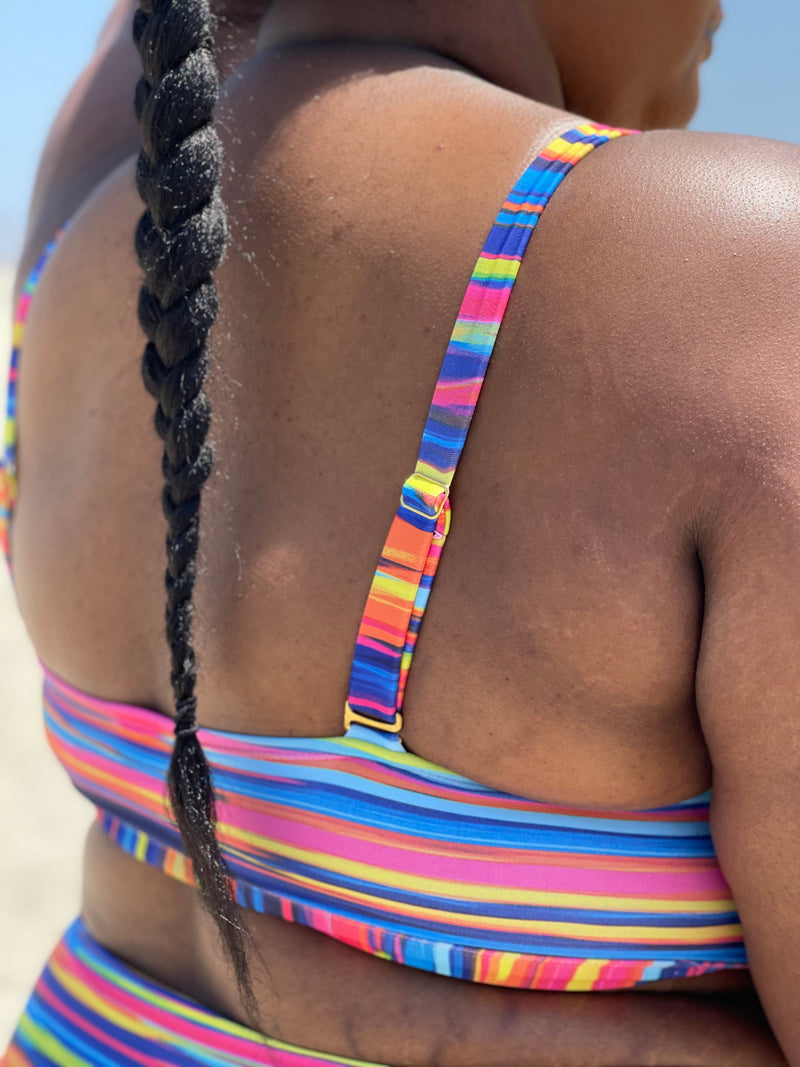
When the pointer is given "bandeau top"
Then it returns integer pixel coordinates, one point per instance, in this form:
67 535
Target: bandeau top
360 839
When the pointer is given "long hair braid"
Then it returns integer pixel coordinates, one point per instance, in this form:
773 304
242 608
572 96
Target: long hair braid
180 240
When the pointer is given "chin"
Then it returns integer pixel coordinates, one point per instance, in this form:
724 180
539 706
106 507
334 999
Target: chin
671 106
674 110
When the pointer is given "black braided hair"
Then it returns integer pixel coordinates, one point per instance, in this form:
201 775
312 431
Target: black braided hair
180 240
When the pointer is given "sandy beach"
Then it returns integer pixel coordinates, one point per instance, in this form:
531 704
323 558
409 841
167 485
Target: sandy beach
44 820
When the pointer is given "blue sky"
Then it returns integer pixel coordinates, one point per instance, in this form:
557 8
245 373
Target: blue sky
751 85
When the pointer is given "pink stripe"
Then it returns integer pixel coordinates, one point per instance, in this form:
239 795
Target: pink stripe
373 705
463 393
148 733
233 743
503 256
377 646
204 1033
485 865
394 632
237 743
82 1025
484 304
82 699
125 780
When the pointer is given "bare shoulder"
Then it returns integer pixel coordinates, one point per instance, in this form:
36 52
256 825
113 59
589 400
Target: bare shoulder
675 257
708 217
697 201
719 225
727 176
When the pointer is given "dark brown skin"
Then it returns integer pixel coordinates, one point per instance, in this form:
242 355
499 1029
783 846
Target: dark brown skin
615 621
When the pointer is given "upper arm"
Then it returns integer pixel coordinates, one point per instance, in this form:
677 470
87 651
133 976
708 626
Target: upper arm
96 128
93 131
748 674
748 694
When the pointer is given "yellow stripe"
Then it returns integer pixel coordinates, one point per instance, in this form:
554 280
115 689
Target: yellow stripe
425 884
101 1005
121 980
422 884
146 797
496 268
140 1026
491 894
636 935
446 478
476 333
570 153
140 852
47 1044
399 555
393 591
504 967
585 976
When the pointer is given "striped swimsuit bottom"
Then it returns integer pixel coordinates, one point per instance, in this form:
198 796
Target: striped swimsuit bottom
356 837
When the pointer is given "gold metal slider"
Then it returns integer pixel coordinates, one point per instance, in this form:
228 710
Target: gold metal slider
351 717
421 483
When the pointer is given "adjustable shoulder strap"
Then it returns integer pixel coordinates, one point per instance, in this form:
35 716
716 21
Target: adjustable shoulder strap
400 588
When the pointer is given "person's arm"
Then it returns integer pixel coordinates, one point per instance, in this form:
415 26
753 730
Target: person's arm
748 676
748 690
96 129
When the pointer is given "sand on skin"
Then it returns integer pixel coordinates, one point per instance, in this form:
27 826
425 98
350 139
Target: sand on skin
43 821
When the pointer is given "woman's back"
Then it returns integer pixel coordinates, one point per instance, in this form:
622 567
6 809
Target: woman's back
337 300
558 657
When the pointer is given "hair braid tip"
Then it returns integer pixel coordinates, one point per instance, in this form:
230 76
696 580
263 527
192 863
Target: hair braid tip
180 240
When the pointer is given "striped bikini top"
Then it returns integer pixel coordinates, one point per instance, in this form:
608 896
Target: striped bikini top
360 839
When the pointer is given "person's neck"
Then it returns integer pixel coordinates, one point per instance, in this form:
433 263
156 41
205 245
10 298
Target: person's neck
499 40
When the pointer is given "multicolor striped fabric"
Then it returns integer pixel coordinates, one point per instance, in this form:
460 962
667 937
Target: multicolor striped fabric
89 1009
357 838
8 468
367 843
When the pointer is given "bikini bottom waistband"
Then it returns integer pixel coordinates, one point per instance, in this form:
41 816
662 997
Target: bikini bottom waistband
89 1009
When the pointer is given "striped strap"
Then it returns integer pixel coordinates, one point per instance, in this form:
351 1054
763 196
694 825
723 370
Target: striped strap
399 592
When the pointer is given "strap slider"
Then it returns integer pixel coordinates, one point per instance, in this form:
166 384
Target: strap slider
417 491
351 717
